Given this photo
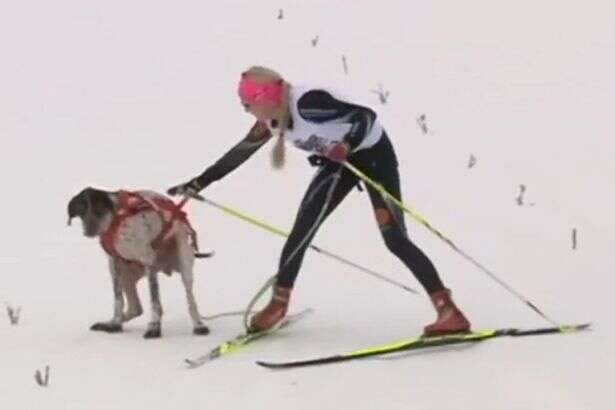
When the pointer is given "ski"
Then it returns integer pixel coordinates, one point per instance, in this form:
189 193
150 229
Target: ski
425 342
235 344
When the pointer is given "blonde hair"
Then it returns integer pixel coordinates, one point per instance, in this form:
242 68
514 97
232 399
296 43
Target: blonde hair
264 74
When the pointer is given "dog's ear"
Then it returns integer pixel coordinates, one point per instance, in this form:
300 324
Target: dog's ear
78 205
89 200
100 201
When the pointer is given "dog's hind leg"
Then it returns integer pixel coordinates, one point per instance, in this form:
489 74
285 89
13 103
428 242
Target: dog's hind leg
115 324
197 322
186 264
154 326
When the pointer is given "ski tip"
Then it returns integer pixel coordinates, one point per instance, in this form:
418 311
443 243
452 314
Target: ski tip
574 328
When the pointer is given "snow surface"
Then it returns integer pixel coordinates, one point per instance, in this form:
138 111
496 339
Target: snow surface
141 94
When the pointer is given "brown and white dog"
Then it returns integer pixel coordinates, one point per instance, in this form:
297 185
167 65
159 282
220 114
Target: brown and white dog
143 233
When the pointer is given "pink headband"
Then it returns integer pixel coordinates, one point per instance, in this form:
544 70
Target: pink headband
252 92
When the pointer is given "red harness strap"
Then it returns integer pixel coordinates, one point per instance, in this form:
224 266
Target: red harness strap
132 203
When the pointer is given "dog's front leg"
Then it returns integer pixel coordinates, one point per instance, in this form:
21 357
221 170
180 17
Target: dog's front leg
115 324
154 326
128 280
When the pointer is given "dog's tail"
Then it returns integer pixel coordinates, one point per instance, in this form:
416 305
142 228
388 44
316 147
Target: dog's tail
201 255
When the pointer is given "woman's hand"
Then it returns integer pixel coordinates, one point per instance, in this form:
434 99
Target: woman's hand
338 152
190 188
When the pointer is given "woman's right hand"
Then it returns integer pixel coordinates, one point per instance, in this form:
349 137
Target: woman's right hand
190 188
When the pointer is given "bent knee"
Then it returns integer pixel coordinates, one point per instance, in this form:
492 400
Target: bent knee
384 218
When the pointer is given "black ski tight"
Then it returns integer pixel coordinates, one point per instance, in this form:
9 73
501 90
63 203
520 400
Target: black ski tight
327 190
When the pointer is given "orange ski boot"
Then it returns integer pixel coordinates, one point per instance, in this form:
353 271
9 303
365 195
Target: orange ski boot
274 312
450 319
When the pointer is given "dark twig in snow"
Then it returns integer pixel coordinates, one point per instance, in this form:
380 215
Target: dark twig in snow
422 122
520 201
42 381
520 197
345 64
13 314
382 94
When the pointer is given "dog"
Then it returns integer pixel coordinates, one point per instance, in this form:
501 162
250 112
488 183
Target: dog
143 233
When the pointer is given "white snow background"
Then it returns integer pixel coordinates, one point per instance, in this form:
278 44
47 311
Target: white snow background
142 94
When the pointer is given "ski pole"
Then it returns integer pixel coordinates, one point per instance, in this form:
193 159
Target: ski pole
416 216
280 232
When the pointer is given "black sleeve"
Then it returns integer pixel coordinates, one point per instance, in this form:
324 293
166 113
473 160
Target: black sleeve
257 137
319 106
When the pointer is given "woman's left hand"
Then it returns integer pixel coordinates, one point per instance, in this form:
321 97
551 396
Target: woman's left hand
338 152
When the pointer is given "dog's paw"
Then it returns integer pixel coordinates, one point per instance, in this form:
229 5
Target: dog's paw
153 331
131 314
109 327
201 330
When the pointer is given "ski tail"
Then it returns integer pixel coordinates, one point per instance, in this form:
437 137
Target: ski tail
201 255
239 342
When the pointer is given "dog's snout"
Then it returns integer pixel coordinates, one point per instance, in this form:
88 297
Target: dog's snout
77 207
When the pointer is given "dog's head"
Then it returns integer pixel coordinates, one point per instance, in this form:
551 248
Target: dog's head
95 208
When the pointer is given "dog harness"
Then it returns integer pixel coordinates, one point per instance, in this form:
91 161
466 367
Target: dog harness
133 203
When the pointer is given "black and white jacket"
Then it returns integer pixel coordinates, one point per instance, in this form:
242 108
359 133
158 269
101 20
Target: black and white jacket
318 121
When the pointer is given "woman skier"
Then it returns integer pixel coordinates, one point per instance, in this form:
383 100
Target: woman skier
314 120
